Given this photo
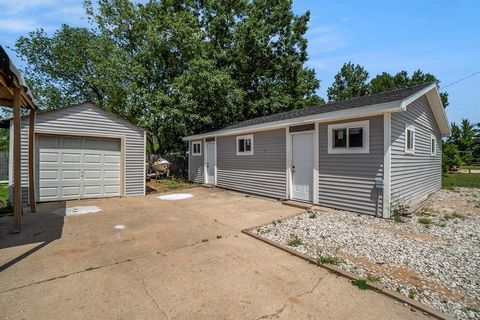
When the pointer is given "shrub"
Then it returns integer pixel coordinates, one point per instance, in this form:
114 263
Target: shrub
295 242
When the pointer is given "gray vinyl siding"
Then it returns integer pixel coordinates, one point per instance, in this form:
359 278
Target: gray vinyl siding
262 173
347 181
89 119
196 168
415 176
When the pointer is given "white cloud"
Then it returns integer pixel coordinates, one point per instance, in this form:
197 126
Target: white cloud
324 39
21 6
18 25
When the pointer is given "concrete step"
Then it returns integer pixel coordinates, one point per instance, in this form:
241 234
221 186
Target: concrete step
297 204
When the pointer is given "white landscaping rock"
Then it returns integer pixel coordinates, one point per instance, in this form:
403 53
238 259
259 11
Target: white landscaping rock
443 256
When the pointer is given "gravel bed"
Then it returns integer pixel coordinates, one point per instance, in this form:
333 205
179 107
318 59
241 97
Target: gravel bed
432 256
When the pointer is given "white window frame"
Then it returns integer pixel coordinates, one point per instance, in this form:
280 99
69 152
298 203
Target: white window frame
193 148
433 142
245 153
410 128
365 125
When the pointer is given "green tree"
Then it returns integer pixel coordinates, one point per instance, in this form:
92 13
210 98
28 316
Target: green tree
450 156
464 137
350 82
4 139
176 67
385 81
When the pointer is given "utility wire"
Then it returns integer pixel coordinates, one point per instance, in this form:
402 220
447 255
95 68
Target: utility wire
473 74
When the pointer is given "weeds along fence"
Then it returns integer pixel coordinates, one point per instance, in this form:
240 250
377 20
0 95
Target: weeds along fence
4 165
178 164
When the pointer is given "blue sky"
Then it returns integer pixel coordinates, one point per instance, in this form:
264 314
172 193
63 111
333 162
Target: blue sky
437 36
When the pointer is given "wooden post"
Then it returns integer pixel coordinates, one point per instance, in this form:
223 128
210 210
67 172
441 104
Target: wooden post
17 179
31 162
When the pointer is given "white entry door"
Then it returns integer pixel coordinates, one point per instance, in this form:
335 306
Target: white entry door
211 162
74 167
302 166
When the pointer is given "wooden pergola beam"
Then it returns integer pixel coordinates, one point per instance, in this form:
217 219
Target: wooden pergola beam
17 178
31 162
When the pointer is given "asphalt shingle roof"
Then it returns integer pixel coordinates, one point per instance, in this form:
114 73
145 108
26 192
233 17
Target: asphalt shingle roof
384 97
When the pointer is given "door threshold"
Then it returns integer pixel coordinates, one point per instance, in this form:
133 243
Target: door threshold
298 204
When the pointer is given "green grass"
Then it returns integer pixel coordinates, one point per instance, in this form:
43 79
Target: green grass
360 283
424 220
329 260
295 242
373 278
5 206
468 180
473 167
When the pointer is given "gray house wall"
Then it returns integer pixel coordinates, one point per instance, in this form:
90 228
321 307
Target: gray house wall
415 176
262 173
89 119
347 181
196 169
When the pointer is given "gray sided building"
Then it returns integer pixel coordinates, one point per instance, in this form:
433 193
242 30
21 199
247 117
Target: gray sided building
82 151
363 155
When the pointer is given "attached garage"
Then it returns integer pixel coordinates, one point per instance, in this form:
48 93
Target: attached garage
82 151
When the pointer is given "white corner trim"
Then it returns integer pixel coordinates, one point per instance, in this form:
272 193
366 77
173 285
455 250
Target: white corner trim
387 163
288 170
199 142
365 124
215 168
416 95
315 163
245 153
205 172
410 127
145 162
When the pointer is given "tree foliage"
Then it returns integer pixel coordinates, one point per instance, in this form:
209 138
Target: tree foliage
465 137
352 81
176 67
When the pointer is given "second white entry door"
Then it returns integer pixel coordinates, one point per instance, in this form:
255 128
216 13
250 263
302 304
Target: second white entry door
211 162
302 166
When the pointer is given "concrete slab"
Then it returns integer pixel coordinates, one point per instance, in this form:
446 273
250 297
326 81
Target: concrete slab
183 259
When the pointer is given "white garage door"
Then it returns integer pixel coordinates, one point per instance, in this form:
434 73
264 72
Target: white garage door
71 167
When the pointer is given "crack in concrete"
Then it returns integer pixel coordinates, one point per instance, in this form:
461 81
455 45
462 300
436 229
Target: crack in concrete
311 290
279 311
275 314
148 292
70 274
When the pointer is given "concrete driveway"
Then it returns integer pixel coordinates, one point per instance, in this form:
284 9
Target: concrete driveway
183 259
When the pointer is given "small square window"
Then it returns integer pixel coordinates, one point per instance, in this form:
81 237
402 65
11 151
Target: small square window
197 148
245 145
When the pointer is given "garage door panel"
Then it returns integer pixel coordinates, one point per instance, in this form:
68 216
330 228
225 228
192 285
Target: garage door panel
70 191
77 167
48 174
92 158
72 174
111 174
95 190
112 159
50 192
111 190
92 174
49 157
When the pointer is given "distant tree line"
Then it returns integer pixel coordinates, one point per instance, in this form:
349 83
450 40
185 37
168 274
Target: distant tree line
463 145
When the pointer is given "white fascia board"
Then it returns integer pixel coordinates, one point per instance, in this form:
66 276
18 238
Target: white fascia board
367 111
435 101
